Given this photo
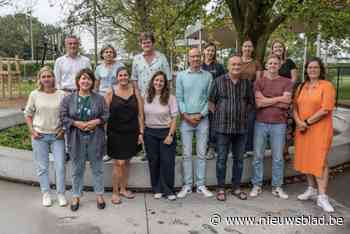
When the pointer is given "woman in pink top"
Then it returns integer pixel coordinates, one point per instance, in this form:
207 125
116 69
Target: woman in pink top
160 109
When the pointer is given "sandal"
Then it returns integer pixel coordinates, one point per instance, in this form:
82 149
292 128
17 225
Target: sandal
116 201
221 195
127 194
240 194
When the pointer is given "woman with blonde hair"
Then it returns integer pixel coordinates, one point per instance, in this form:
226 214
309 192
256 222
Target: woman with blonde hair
42 117
288 68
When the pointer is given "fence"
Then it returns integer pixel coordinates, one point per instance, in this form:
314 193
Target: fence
340 76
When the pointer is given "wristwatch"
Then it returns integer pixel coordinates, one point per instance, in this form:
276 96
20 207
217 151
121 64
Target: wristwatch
307 122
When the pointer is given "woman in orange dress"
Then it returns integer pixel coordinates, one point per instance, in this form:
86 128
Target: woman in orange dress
313 106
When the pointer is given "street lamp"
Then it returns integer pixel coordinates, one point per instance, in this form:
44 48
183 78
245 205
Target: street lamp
30 11
94 8
31 34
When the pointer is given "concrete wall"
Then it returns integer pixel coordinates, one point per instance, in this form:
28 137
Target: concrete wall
18 164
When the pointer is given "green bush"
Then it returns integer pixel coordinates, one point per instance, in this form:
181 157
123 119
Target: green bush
16 137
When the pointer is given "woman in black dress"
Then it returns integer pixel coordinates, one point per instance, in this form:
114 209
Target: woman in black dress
124 131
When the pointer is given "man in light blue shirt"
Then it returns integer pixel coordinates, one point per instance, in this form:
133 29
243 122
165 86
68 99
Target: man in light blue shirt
147 63
192 92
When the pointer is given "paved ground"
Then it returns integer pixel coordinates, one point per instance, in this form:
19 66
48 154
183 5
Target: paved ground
22 213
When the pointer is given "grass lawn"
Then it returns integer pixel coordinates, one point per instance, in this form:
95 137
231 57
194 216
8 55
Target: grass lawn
344 88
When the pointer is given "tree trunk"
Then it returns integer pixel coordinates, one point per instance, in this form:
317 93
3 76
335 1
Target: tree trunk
143 12
253 20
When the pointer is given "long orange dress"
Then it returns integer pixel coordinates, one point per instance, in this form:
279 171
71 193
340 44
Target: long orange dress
312 147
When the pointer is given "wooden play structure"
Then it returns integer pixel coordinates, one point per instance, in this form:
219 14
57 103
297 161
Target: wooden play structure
10 77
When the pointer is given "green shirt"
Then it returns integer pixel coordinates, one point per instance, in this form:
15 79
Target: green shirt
84 107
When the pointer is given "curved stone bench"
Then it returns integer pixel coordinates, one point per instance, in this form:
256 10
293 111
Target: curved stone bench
18 164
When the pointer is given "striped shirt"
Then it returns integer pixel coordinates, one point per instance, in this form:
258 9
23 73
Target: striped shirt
232 103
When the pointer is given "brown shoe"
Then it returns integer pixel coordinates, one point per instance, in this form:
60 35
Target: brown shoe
74 205
239 194
221 195
101 204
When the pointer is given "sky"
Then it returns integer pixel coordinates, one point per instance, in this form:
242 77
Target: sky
41 10
48 12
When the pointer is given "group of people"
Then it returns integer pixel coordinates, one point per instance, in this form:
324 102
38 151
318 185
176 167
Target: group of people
238 111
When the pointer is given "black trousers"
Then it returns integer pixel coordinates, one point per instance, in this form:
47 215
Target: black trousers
161 160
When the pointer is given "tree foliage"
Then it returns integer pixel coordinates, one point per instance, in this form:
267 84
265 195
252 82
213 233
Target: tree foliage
121 20
124 19
258 19
15 36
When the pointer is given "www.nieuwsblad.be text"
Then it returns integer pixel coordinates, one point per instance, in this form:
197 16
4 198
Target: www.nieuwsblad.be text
303 220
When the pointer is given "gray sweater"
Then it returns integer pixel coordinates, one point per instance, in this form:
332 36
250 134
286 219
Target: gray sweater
69 114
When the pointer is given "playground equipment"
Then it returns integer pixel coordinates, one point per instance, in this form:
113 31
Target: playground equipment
10 77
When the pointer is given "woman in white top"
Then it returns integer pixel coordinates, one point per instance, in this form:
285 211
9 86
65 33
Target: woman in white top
42 117
160 110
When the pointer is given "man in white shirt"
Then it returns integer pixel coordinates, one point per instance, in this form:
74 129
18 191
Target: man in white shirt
67 66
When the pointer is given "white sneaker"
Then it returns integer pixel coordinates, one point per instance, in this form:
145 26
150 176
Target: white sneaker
204 191
62 201
210 153
184 191
278 192
308 194
157 196
322 201
256 190
47 199
106 158
171 197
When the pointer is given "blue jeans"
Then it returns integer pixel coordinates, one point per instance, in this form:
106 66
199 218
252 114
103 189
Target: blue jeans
237 142
78 167
201 132
276 133
212 132
41 148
